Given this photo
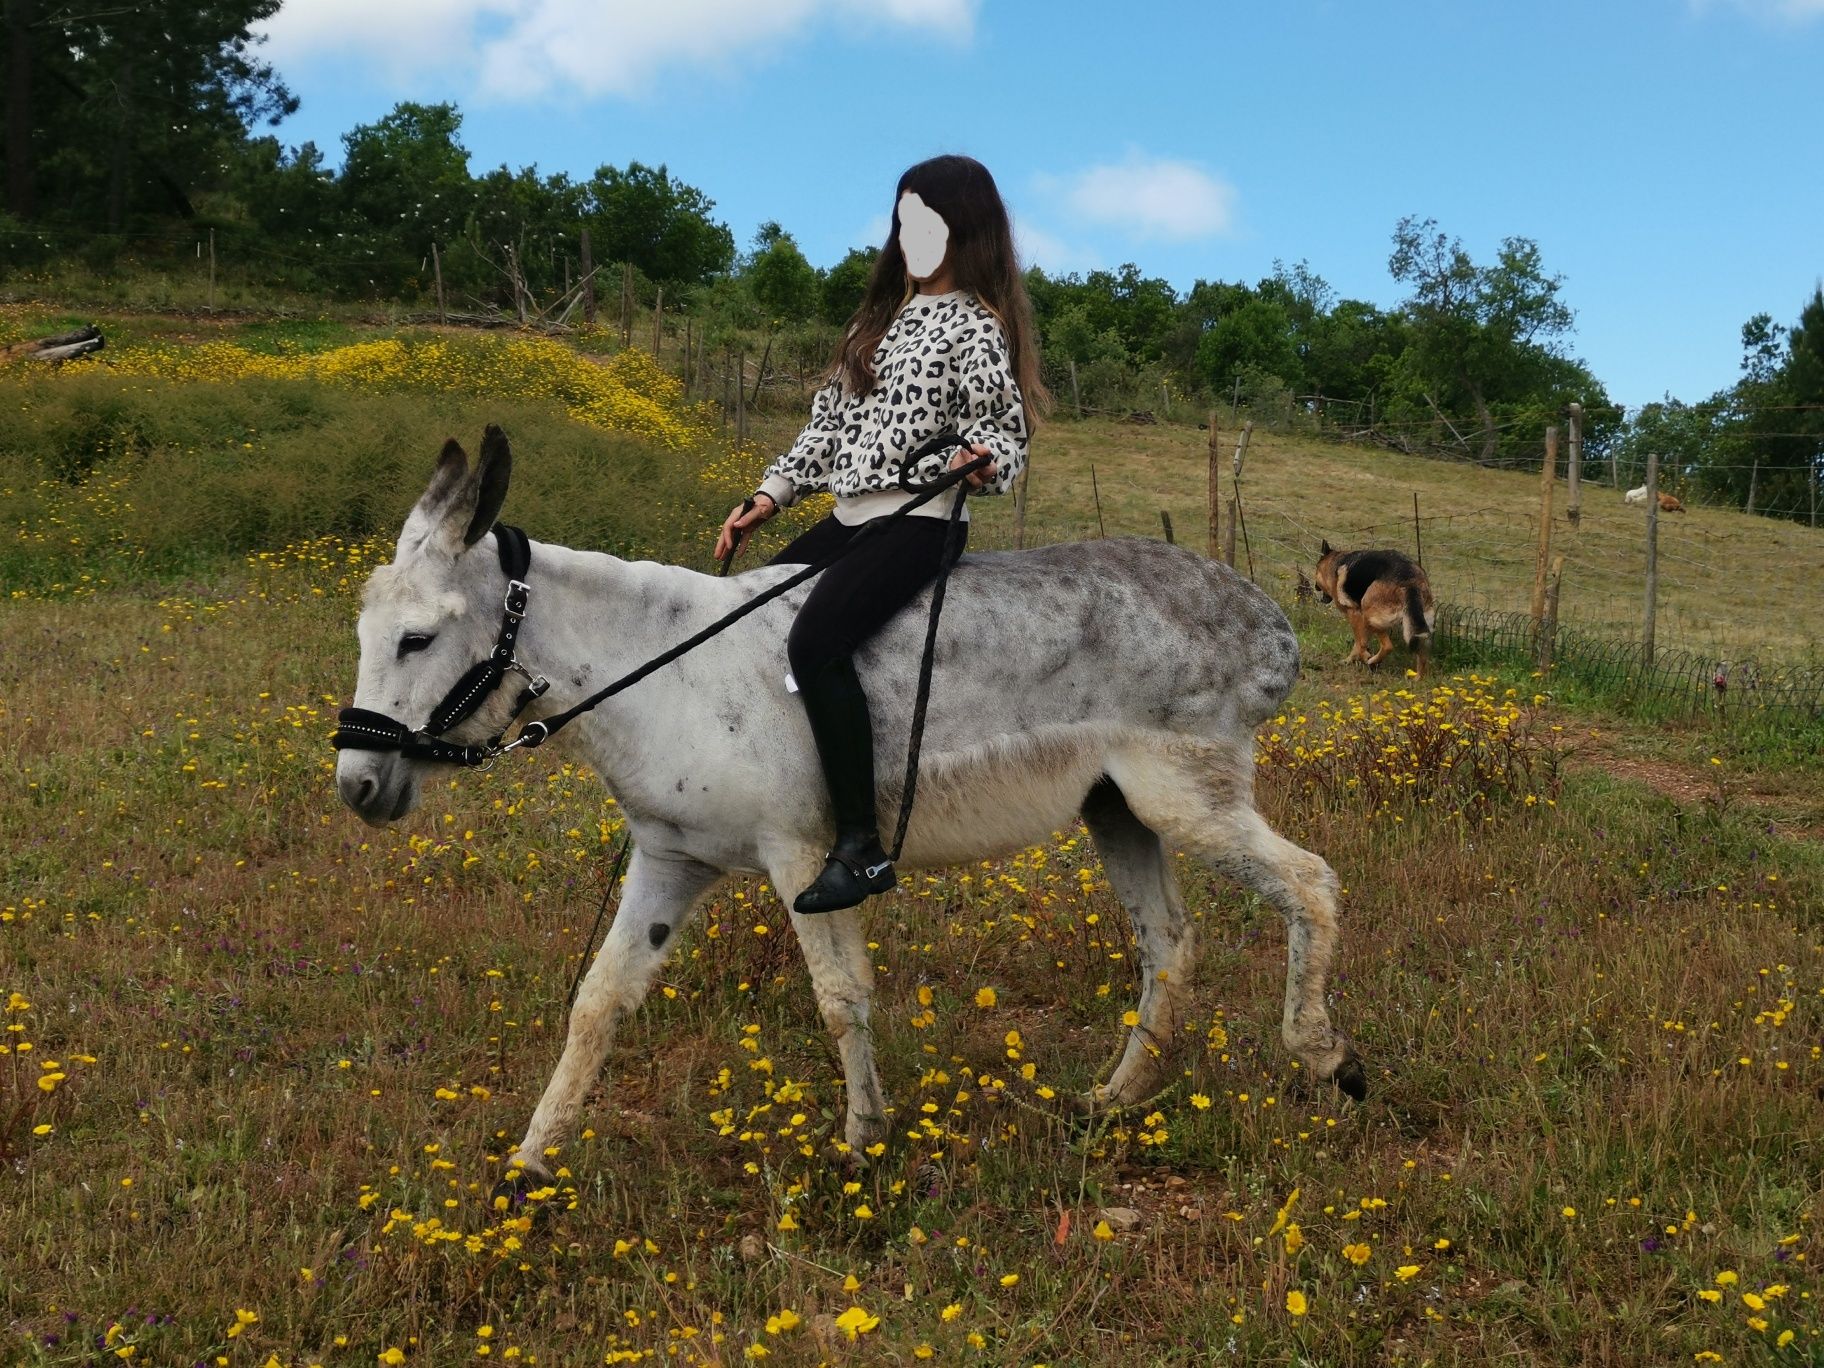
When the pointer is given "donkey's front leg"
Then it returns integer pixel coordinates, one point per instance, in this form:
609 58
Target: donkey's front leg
658 896
842 976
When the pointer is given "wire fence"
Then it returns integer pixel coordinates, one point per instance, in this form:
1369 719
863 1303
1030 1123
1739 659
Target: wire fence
1676 681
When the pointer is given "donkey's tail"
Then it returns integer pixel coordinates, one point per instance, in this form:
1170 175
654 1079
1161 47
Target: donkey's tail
1418 626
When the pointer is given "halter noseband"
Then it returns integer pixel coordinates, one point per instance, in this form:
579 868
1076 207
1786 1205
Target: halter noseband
363 729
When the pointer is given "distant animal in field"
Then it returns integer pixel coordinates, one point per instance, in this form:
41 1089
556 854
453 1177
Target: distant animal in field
1668 503
1377 591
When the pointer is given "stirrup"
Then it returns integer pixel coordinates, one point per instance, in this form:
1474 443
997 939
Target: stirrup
854 871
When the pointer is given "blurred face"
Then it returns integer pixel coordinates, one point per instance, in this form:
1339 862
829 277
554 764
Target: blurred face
924 237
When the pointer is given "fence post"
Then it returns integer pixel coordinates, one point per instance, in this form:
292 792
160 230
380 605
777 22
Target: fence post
1215 497
1646 632
1548 639
1019 509
1228 536
626 303
587 266
741 398
212 270
1096 492
1241 446
658 318
1573 471
1418 537
1166 518
443 315
1547 469
1754 480
1165 400
1076 400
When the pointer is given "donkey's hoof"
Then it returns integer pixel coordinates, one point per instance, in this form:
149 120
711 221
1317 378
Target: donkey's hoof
1352 1078
519 1190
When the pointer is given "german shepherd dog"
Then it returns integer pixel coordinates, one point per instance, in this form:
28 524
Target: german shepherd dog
1377 590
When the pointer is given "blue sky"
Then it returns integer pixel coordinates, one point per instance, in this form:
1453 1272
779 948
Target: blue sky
1667 157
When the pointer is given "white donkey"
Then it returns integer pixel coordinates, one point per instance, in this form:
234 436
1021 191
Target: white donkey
1119 680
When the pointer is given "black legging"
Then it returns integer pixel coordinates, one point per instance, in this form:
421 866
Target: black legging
856 596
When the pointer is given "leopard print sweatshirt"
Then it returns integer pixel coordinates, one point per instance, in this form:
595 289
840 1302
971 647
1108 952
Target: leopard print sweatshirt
942 366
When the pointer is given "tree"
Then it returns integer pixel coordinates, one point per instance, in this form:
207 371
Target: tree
662 226
1479 335
785 285
140 105
845 283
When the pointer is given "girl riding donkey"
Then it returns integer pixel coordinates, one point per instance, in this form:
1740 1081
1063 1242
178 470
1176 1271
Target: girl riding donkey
942 343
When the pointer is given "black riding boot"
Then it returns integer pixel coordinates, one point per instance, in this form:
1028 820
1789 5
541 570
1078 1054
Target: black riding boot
857 866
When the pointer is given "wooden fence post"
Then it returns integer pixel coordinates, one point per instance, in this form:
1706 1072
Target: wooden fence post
443 315
1076 399
1241 445
1546 470
1549 637
587 267
1573 470
1019 509
1418 537
1166 518
212 270
1215 495
741 398
658 319
1646 631
1096 492
1228 536
626 303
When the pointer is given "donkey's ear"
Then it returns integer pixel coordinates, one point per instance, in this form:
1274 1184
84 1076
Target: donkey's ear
446 480
1324 550
492 475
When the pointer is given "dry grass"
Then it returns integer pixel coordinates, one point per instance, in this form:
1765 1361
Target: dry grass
263 1063
290 1043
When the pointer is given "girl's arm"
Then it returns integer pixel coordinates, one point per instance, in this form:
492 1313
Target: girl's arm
806 465
989 407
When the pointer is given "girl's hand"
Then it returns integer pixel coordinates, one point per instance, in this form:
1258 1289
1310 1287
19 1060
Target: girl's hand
738 526
964 455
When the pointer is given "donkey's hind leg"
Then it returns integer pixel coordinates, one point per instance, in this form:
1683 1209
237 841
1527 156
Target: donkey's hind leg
1141 874
1200 796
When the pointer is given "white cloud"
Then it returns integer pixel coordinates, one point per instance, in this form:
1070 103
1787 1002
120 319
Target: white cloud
1049 252
1148 197
525 49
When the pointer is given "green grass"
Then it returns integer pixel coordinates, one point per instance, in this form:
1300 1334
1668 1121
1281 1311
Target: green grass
1605 999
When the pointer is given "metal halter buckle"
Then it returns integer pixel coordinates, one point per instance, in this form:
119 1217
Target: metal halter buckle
518 592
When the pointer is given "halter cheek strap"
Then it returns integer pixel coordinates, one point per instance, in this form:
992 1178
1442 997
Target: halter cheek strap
364 729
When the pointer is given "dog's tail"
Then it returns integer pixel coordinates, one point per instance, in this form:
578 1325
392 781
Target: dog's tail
1418 626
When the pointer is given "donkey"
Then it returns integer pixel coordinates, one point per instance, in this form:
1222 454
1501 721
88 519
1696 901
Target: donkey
1119 680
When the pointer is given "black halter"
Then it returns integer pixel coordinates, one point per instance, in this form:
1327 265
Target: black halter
362 729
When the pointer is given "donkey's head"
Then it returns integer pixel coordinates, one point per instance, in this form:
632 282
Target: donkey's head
425 619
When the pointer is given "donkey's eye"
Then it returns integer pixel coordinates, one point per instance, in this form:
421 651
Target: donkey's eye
413 641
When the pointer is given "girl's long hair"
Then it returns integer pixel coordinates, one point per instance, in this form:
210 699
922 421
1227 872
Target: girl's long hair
981 259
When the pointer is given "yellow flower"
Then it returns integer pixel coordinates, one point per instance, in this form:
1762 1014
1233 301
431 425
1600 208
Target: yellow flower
1406 1272
855 1322
1295 1238
1357 1254
1710 1294
1296 1303
1726 1278
392 1356
1569 1213
785 1320
1130 1018
984 997
1008 1280
1199 1101
1753 1302
951 1312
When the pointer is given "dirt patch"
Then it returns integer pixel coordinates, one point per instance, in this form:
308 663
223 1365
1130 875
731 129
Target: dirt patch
1790 815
